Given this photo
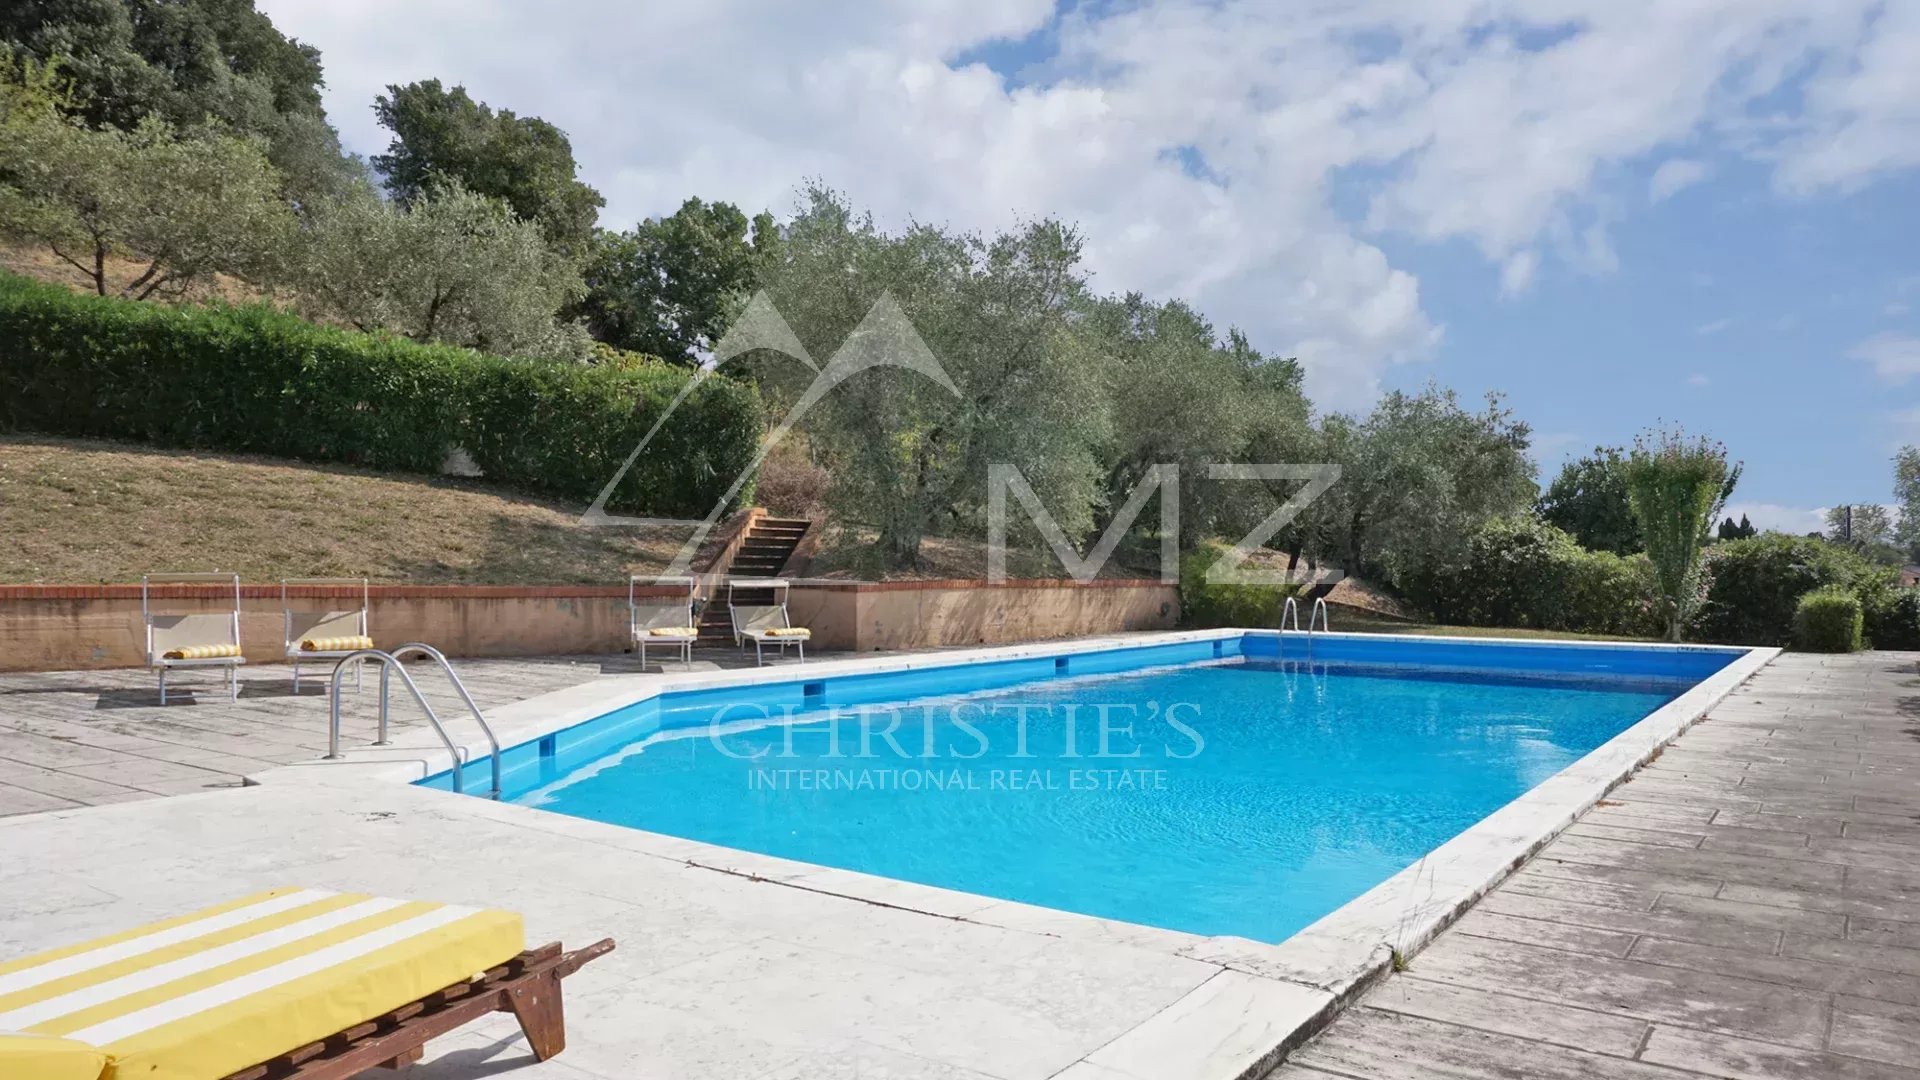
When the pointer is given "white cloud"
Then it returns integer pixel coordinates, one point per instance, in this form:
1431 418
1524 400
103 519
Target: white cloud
1675 176
1697 379
1708 329
1499 123
1778 518
1895 357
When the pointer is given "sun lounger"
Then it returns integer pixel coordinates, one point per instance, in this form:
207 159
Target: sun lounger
663 621
194 639
764 623
318 633
288 983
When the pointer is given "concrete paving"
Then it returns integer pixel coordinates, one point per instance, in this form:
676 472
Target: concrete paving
89 738
1748 905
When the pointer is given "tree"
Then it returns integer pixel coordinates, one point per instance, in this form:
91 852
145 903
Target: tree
907 454
1589 500
1860 526
670 286
1419 475
190 63
1676 487
525 162
1176 394
187 206
1906 497
455 267
1730 531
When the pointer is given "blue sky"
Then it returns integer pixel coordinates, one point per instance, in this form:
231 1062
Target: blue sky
1617 212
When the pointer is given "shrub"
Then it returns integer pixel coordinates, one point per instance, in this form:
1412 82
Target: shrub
1753 586
1204 604
257 380
790 483
1523 572
1892 613
1828 620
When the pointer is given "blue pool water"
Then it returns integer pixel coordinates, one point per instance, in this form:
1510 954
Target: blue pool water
1237 795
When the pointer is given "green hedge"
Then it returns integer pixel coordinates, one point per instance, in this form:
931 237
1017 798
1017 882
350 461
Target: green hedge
256 380
1754 586
1523 572
1828 620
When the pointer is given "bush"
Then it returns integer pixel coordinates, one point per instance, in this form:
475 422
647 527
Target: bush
1828 620
257 380
1523 572
1204 605
1892 614
1754 586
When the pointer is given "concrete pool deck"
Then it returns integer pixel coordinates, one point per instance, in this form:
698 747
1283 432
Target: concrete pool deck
760 968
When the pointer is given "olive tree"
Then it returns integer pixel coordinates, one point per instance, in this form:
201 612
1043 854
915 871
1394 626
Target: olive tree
1676 487
183 206
454 267
909 455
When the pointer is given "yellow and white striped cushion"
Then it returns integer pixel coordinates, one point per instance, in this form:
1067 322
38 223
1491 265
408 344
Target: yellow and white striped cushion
201 652
336 644
673 632
213 992
788 632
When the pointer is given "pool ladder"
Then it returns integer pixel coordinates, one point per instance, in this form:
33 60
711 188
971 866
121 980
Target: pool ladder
1290 611
390 662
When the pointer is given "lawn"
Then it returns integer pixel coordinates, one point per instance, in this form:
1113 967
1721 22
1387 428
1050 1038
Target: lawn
76 511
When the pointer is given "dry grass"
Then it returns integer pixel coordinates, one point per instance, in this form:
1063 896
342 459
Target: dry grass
76 511
40 263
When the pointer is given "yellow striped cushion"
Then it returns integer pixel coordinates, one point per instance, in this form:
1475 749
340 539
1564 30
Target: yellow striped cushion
213 992
788 631
43 1057
336 644
201 652
674 631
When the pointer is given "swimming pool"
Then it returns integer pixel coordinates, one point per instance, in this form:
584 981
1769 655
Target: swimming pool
1211 787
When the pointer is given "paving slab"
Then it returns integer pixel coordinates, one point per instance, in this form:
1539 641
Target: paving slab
1764 876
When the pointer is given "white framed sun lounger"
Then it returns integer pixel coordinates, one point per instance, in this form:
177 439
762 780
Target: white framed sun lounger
334 633
663 621
194 639
764 624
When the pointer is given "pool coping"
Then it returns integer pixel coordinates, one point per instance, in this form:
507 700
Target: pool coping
1267 998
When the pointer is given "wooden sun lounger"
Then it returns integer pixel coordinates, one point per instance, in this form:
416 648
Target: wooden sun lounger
292 982
528 986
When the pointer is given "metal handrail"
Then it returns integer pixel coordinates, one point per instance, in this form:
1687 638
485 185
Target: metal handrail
1319 614
389 663
1290 608
440 658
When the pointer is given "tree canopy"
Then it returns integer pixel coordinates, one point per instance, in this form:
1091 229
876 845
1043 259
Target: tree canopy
670 286
186 205
454 267
442 134
1589 500
188 63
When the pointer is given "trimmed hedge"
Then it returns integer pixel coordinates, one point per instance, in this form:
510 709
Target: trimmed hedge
1828 620
1754 586
1523 572
257 380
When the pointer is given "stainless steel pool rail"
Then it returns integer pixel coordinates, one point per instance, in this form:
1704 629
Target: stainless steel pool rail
391 662
1290 612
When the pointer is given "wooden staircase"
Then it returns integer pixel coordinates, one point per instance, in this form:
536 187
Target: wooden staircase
770 542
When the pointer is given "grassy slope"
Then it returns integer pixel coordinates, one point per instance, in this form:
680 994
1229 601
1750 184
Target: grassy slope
75 511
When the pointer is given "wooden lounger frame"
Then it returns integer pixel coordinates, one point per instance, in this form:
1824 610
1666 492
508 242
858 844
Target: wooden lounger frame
528 986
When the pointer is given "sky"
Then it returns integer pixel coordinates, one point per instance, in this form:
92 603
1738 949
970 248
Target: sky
1618 213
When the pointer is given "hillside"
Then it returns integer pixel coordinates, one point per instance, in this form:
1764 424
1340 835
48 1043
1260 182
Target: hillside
76 511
